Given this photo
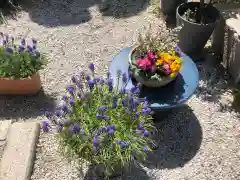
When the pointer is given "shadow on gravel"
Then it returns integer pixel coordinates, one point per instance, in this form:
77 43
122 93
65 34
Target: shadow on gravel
122 8
53 13
216 85
9 10
179 139
136 173
17 107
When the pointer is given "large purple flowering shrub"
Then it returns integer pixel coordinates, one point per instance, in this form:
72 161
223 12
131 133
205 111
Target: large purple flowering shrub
21 60
101 124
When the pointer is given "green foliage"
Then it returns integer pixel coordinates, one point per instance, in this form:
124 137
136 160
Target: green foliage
19 62
106 126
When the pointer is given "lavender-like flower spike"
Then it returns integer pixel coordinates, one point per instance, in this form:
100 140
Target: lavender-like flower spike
45 126
21 49
91 67
23 42
76 128
71 90
91 83
124 78
9 50
146 133
4 42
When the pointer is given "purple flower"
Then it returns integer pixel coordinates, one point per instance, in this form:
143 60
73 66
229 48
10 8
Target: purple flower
91 67
111 132
103 108
95 142
113 127
65 98
137 115
30 49
118 141
65 108
110 88
124 103
23 42
71 90
60 126
98 116
141 126
4 42
110 82
146 133
133 89
108 127
124 78
145 149
91 83
9 50
124 144
72 102
45 126
20 48
137 91
76 128
115 97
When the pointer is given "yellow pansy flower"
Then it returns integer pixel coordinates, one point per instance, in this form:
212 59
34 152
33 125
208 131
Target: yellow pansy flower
159 62
175 67
172 75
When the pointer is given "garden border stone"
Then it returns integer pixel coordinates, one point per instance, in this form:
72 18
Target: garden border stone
19 153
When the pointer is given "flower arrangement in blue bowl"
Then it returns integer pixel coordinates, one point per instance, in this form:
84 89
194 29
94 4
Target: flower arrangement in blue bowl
98 123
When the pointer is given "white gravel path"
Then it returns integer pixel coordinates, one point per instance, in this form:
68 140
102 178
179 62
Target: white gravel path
199 142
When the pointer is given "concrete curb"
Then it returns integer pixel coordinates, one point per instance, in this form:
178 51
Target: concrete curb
20 150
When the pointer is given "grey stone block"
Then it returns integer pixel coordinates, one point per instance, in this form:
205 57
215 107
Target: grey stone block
19 153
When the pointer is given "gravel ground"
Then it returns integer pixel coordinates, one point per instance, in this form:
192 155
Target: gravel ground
199 141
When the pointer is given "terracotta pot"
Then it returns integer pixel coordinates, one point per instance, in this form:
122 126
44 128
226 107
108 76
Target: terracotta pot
26 86
149 83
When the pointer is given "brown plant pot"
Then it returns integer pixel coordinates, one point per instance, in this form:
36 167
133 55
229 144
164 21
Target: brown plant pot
26 86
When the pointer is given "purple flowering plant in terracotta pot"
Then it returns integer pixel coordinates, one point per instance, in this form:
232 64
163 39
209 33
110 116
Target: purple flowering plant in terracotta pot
20 63
101 124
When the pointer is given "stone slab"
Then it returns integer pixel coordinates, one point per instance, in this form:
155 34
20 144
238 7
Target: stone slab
4 126
19 153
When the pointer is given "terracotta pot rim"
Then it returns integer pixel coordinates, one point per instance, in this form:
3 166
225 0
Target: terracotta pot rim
26 78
